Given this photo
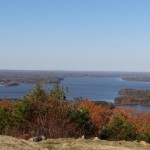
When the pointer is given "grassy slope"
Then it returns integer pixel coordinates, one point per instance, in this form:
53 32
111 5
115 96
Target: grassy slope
9 143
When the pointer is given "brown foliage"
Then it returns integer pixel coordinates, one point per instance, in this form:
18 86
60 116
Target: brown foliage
53 121
143 122
99 115
7 104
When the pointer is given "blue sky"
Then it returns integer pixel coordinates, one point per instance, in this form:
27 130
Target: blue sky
98 35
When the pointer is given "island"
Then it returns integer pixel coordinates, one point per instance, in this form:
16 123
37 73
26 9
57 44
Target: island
141 78
8 84
133 97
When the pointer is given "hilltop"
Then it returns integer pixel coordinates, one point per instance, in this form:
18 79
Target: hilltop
10 143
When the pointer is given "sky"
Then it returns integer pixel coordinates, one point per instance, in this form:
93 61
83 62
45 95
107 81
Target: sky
90 35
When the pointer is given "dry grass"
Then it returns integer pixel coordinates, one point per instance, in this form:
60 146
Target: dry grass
10 143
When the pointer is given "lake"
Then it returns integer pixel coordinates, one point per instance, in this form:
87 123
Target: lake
93 88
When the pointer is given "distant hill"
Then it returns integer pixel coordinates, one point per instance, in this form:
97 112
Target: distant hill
34 76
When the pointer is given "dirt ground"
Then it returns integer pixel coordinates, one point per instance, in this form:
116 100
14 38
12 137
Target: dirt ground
10 143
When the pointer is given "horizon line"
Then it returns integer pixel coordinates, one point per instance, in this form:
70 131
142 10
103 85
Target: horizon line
61 70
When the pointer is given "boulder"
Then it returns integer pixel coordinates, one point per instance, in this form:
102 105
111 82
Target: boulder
95 138
82 137
142 143
37 138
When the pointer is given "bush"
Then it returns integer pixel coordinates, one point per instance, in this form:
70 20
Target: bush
21 115
99 116
6 119
6 122
81 116
8 104
120 127
143 137
45 113
119 130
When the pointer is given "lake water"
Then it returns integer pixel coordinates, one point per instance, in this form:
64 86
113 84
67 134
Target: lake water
93 88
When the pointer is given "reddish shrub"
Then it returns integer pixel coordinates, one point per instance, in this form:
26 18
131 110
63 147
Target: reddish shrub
99 115
7 104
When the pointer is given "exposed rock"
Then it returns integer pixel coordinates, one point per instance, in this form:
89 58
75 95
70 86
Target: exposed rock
43 137
142 143
37 138
82 137
95 138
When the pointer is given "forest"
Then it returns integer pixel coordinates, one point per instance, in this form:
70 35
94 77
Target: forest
49 113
